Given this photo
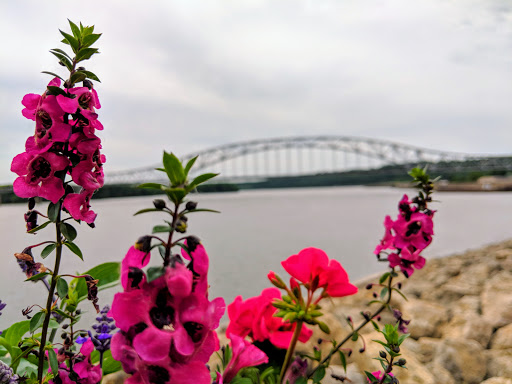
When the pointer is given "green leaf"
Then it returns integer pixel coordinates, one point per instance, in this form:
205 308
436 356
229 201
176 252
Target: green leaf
154 273
161 229
203 210
109 364
200 180
77 34
148 210
53 74
323 327
403 337
384 277
47 250
91 76
77 77
176 194
370 377
38 277
36 321
355 336
85 54
90 39
151 186
301 380
71 40
319 374
62 52
63 59
68 231
88 30
39 227
107 274
343 360
400 293
52 90
74 248
15 332
54 364
174 169
62 288
53 211
189 165
384 292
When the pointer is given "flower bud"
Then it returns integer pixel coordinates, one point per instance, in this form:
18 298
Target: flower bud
181 225
143 244
87 83
191 205
159 203
401 362
276 280
31 203
369 286
382 354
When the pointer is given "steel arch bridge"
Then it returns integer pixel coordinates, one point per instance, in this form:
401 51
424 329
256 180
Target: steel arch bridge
384 152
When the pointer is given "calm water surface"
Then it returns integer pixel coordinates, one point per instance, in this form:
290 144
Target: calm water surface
255 231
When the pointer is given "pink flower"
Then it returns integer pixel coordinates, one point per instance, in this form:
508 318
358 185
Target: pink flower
388 241
88 373
313 267
132 276
37 175
378 375
407 260
413 230
254 317
77 204
245 354
199 263
88 173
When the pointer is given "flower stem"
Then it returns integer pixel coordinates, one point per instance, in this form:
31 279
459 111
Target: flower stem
291 349
349 336
167 258
49 302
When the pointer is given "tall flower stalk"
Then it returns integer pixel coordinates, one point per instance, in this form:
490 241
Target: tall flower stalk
62 163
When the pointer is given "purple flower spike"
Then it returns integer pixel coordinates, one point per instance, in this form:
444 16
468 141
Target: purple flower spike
7 376
104 326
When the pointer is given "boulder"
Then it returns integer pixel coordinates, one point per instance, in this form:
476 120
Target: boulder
470 326
426 317
499 362
497 380
497 299
463 359
441 375
502 339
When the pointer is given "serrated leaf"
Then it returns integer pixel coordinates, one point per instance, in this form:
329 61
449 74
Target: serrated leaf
71 40
53 211
174 169
53 74
68 231
151 186
200 180
36 321
74 248
92 76
48 250
38 277
77 34
85 54
189 165
62 288
54 364
319 374
89 40
38 228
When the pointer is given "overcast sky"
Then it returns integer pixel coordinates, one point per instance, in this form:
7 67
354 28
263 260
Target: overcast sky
187 75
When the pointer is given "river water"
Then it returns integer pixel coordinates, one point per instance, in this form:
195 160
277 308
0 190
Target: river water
255 231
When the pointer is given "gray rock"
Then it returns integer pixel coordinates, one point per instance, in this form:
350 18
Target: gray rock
426 317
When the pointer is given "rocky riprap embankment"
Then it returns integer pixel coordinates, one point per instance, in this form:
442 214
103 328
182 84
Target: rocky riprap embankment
461 322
